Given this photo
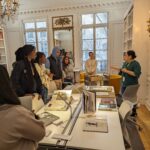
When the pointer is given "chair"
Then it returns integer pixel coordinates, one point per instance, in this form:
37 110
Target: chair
124 111
130 94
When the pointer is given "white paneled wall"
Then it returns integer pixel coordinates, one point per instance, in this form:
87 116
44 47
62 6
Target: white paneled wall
116 13
116 46
141 43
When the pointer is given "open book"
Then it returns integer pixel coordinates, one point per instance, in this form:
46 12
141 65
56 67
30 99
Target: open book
96 125
89 101
60 101
48 118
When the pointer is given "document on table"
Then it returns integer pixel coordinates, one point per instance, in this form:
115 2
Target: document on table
96 125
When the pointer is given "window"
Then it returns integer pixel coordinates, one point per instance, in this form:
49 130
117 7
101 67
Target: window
95 38
36 34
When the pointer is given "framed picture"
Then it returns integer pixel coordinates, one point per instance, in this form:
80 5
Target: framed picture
62 22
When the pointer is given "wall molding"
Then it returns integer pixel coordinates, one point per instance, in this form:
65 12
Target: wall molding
75 7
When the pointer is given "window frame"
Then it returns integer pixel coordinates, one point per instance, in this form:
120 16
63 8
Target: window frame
94 26
36 30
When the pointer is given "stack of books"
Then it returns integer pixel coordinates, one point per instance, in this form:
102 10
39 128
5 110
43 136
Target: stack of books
107 104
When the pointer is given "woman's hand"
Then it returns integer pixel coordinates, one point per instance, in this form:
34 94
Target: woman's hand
124 70
128 72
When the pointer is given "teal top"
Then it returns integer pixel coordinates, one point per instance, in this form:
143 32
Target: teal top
123 66
128 79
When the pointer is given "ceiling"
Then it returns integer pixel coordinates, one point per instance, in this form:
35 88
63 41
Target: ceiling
41 4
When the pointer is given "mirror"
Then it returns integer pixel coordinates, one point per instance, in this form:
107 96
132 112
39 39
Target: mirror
63 33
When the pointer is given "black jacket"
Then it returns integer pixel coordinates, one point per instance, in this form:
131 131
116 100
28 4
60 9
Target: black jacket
23 80
55 68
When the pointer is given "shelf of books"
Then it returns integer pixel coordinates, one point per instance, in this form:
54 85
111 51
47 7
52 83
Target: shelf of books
3 54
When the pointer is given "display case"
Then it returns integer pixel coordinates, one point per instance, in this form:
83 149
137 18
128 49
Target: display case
3 54
128 29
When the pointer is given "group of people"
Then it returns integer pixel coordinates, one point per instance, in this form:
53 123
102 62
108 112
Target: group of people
29 74
20 128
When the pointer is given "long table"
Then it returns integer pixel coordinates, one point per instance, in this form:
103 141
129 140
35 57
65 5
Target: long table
64 128
113 140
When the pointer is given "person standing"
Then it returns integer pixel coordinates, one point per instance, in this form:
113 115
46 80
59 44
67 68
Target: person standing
55 66
91 64
20 129
45 75
130 71
67 70
25 78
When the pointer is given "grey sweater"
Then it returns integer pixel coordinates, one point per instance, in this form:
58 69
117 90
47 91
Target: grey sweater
19 130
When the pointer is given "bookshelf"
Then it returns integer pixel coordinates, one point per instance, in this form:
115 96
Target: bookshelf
128 29
3 54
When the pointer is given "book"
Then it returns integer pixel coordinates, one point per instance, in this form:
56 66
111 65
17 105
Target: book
107 107
95 125
107 100
48 118
99 88
61 101
105 94
89 101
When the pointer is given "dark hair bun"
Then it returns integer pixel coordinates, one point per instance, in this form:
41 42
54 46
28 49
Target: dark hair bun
131 53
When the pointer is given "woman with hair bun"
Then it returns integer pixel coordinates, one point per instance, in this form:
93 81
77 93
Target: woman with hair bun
131 71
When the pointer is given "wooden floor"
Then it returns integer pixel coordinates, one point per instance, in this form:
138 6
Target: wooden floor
144 120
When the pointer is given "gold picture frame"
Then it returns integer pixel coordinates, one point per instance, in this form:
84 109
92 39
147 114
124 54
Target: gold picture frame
62 22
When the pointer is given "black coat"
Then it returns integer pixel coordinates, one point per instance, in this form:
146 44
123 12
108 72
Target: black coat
55 68
23 80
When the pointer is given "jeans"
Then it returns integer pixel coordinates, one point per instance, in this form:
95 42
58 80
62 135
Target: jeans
123 88
44 94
